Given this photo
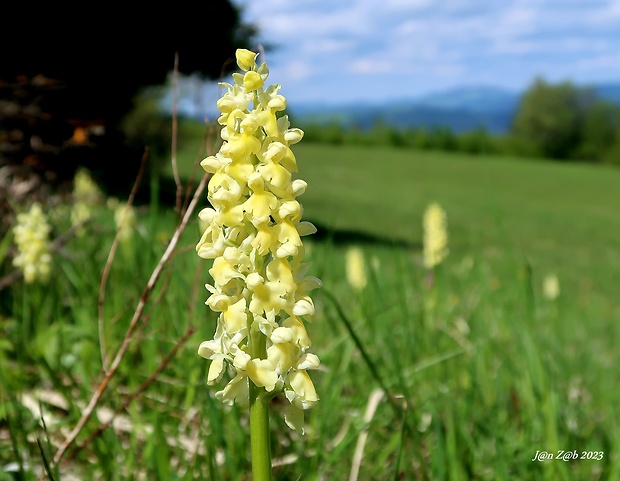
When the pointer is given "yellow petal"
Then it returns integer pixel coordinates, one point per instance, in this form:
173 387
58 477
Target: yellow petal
304 389
308 361
222 271
246 59
299 331
216 369
262 374
237 388
283 356
235 316
252 81
294 418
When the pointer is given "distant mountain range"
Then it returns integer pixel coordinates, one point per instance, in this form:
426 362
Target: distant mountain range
461 109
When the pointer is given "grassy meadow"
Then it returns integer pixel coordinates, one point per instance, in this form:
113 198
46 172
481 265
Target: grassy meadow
462 373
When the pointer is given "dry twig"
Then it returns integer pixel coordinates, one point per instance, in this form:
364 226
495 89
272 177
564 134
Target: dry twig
132 326
175 167
373 402
108 264
162 365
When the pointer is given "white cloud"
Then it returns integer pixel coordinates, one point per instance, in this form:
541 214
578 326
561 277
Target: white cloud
613 9
322 45
329 45
608 61
297 70
406 5
369 66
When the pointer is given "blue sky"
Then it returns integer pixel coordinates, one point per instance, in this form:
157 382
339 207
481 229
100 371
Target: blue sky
335 52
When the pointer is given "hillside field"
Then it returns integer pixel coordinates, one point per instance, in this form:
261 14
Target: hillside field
463 372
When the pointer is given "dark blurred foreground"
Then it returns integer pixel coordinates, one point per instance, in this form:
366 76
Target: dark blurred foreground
70 75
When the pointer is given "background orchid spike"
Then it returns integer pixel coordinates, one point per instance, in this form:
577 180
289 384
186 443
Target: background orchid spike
356 268
86 194
32 234
253 232
551 287
435 235
125 221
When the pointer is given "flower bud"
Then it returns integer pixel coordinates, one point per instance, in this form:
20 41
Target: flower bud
246 59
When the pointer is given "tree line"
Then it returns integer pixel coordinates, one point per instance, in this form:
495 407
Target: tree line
558 121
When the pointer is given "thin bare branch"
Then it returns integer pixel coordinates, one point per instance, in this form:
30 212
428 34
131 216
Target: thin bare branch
132 325
162 365
108 264
373 402
175 100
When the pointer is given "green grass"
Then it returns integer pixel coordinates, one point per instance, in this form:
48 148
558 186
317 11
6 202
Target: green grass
539 207
483 370
557 217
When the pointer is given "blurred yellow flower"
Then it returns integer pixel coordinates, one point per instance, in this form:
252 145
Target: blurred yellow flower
125 220
86 193
253 231
80 214
32 239
356 268
85 188
112 203
551 287
435 235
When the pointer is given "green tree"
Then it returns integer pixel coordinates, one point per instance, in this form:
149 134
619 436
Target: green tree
477 141
550 118
600 127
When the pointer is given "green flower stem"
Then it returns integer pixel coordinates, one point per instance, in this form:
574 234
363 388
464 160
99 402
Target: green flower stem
259 417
